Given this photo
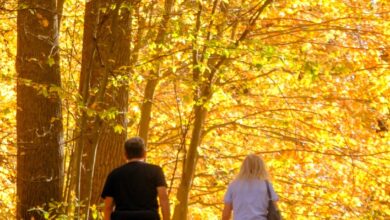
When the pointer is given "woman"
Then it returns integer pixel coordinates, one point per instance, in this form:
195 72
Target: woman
247 194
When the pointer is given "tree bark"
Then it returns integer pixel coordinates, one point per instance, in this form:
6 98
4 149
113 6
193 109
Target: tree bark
146 108
39 116
104 93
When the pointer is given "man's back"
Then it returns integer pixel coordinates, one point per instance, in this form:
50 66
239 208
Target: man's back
133 186
131 190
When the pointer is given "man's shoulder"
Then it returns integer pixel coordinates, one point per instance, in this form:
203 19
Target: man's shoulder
153 166
116 170
136 165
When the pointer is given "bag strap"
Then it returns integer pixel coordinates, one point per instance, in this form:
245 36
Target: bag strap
268 190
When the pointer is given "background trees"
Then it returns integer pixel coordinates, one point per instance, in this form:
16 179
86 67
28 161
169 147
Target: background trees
304 84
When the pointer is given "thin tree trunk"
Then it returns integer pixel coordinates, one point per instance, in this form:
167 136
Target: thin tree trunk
91 18
202 95
39 116
181 208
189 161
146 108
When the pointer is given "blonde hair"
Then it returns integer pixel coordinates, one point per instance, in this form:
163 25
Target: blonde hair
253 167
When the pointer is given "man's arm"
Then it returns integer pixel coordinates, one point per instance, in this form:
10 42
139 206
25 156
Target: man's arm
227 211
108 207
164 202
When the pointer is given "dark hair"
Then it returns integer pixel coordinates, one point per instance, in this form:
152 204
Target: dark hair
135 148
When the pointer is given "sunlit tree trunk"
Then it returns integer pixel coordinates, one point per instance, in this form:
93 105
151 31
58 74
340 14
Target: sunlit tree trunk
189 162
154 75
203 93
146 107
39 117
104 94
181 208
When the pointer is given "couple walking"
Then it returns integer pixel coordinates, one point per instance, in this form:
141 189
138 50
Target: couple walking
131 191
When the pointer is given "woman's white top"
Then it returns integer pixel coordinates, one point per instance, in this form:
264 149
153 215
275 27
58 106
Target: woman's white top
249 199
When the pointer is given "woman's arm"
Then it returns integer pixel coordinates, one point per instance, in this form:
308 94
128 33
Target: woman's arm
227 211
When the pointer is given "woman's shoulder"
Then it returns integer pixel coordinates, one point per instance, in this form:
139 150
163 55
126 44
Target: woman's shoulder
249 181
244 182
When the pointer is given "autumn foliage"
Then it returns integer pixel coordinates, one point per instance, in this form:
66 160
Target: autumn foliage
304 84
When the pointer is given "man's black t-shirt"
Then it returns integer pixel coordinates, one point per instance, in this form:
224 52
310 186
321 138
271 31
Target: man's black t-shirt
134 186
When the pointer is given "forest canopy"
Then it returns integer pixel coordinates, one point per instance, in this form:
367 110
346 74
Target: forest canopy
303 84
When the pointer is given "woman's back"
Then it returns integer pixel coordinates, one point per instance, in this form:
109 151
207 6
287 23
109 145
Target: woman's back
247 195
249 199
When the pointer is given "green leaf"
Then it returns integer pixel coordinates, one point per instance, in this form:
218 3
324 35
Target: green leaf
51 61
118 128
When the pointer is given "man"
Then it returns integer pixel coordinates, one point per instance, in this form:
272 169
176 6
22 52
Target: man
134 187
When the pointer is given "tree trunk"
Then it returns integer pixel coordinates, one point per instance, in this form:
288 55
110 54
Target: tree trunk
39 119
189 161
146 108
181 208
104 92
203 94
